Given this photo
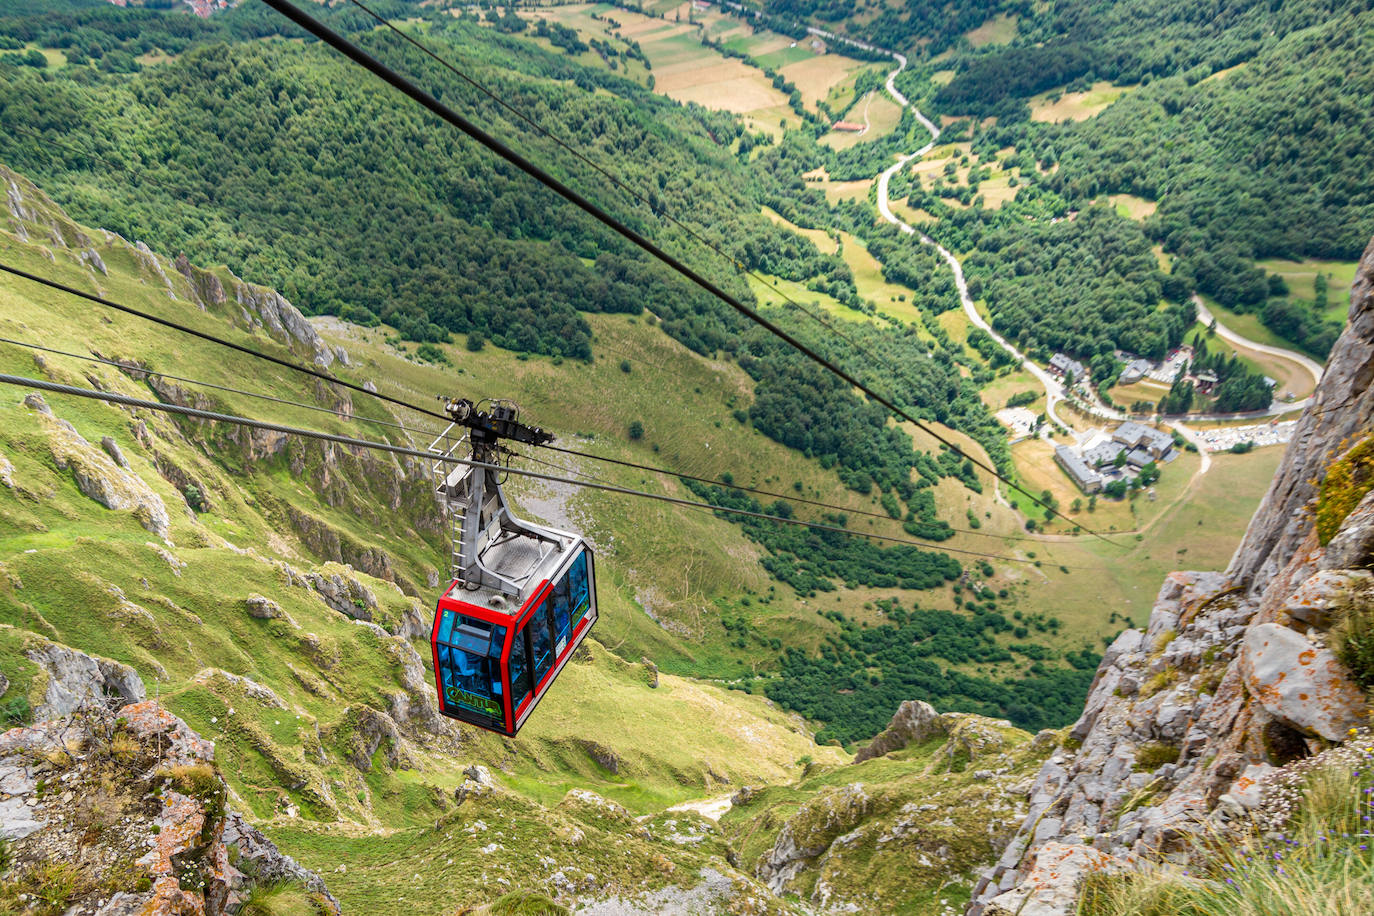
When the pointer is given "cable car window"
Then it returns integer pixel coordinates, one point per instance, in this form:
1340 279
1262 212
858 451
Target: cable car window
520 687
470 664
578 594
541 641
562 625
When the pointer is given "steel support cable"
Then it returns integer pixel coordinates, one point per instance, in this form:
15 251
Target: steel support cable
883 516
196 413
191 381
177 326
312 372
592 164
408 88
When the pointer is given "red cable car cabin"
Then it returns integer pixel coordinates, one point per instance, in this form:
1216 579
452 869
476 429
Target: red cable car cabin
493 659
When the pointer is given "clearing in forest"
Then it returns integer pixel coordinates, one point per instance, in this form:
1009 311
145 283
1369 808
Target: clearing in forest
1056 106
876 110
1132 207
996 31
1301 277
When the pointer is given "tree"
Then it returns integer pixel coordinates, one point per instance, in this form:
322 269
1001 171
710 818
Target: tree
636 430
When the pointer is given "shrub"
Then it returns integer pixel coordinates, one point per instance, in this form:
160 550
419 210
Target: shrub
636 430
476 341
15 711
1154 754
276 898
1348 479
1352 638
429 353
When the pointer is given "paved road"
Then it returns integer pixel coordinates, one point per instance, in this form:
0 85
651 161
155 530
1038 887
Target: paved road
1313 368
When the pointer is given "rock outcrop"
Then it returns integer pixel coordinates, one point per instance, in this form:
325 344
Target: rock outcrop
126 802
915 721
97 475
1232 680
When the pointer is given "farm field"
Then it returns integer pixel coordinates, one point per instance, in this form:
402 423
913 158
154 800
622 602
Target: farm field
817 75
1075 106
878 111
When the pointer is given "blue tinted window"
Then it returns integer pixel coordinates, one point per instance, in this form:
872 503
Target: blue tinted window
519 671
579 596
470 664
558 603
541 641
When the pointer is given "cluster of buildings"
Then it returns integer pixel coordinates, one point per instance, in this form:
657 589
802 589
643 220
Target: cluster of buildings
1134 444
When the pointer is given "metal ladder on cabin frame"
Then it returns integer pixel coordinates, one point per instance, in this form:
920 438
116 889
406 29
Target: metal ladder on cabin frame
478 512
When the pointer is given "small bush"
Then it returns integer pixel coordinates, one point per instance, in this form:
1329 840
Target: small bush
476 342
15 711
626 367
276 898
1154 754
1158 682
1347 480
429 353
636 430
1352 639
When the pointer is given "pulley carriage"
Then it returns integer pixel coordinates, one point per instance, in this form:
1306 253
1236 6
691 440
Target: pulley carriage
522 596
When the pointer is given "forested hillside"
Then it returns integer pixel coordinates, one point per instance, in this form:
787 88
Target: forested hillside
1265 160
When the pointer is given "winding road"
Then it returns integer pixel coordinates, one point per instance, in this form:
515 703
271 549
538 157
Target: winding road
1054 389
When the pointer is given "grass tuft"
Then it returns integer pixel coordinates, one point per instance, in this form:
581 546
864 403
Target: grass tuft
277 898
1352 638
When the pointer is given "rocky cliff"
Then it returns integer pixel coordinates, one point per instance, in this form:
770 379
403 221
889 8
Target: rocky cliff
1190 721
111 805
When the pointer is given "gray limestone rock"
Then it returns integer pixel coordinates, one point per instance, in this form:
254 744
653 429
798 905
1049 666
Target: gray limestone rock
1300 683
268 863
262 607
77 680
34 401
1319 593
112 449
914 721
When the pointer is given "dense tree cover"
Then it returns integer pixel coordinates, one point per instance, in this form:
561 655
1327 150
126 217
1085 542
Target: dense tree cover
860 676
931 26
1266 161
93 32
1086 286
309 176
1080 41
808 559
1239 388
301 172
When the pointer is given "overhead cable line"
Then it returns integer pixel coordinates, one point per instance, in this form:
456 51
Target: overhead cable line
196 413
128 367
408 88
177 326
304 369
757 492
658 211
